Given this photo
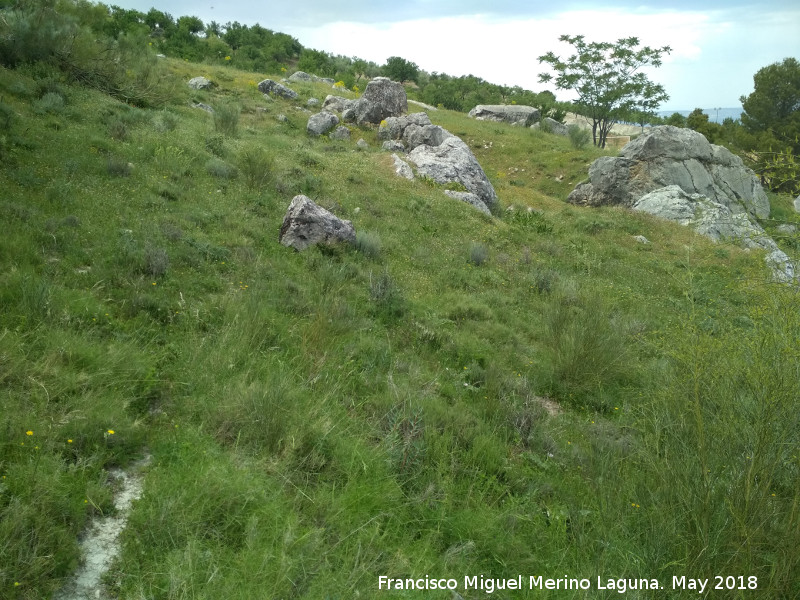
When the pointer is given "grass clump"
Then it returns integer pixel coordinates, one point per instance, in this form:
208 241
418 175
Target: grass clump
49 103
478 254
368 244
226 119
256 165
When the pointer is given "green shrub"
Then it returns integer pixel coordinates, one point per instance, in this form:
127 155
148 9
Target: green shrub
478 254
165 121
226 119
579 136
118 130
156 262
369 244
220 169
50 103
256 165
215 144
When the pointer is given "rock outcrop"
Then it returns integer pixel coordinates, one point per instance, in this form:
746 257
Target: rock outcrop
382 98
273 88
306 224
717 222
321 123
453 161
439 155
516 114
668 155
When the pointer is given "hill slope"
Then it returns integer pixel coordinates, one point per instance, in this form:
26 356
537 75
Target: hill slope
457 395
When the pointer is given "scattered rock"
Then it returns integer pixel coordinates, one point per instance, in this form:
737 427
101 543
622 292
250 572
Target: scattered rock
282 118
664 156
306 224
312 102
340 133
453 162
402 168
273 88
337 104
201 83
202 106
786 229
469 198
321 123
362 144
509 113
797 204
302 76
641 239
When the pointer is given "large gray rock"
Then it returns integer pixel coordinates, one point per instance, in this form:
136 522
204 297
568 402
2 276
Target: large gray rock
321 123
201 83
340 133
306 224
509 113
453 162
302 76
389 95
797 204
664 156
717 222
273 88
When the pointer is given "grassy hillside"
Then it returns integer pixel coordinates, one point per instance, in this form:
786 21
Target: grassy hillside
532 394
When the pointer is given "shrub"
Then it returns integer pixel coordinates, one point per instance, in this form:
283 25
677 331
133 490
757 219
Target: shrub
118 167
257 165
156 262
166 121
478 254
579 136
220 169
118 129
215 144
51 102
226 119
386 295
369 244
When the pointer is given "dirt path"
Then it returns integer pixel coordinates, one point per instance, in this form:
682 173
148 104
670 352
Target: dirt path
100 543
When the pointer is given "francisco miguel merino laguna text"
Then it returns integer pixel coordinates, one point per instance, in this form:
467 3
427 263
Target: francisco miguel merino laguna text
490 585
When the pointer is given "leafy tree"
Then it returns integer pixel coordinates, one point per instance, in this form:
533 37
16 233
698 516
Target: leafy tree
191 24
607 78
774 104
698 120
316 62
400 69
676 119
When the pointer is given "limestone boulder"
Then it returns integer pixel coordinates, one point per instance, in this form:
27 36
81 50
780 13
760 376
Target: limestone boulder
273 88
306 224
717 222
389 95
336 104
321 123
340 133
453 162
515 114
393 128
551 126
402 168
470 199
664 156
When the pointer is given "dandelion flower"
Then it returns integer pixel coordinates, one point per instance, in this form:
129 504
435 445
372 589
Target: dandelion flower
29 432
110 432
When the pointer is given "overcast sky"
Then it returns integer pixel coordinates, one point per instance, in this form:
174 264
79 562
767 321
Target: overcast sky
718 45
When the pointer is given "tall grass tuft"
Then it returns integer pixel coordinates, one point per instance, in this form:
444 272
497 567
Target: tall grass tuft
256 165
226 119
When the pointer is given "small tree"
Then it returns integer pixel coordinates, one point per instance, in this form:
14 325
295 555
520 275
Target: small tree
608 79
400 69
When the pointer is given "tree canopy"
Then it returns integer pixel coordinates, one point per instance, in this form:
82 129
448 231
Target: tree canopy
608 79
774 104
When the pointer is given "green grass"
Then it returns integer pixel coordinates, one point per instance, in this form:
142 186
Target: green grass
318 419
